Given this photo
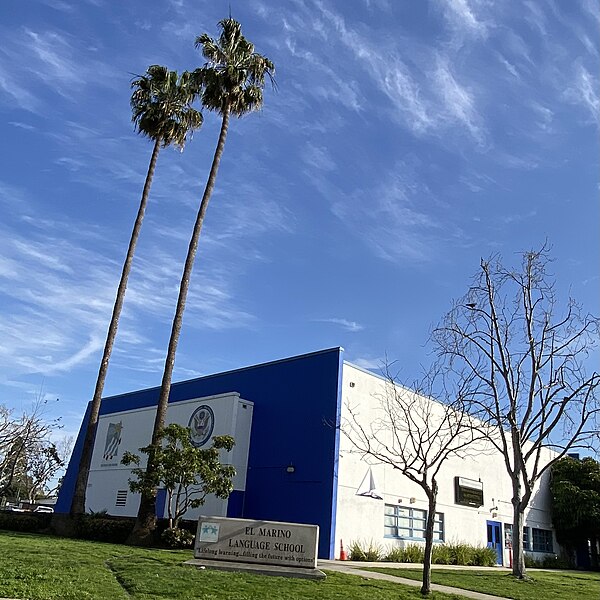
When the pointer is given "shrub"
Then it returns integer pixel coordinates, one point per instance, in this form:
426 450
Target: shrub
176 537
484 557
454 553
530 562
550 561
365 551
28 522
101 528
394 554
461 553
413 553
557 562
441 554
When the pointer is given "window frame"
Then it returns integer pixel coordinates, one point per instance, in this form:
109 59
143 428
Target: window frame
526 538
417 523
547 545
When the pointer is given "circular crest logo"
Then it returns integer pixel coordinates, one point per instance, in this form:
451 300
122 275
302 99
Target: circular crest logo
201 425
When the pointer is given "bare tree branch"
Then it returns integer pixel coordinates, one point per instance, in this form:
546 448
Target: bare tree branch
519 361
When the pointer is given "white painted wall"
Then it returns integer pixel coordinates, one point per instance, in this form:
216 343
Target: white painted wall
361 518
233 416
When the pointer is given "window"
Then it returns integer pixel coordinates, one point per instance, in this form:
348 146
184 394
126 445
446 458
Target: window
507 534
542 540
526 538
468 492
438 527
410 523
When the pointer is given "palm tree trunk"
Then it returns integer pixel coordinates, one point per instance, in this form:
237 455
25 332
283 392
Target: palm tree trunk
146 517
78 503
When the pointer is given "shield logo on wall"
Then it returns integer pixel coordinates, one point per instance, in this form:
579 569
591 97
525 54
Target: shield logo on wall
113 439
201 425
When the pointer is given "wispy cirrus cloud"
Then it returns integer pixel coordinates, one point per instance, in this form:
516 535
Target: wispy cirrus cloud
59 294
318 157
535 17
55 62
584 91
345 324
390 223
31 57
458 101
412 89
367 362
12 92
21 125
461 14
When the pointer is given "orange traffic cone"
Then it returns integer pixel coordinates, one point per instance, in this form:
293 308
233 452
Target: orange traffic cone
343 555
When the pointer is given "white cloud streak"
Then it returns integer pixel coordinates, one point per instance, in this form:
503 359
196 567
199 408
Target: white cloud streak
345 324
584 91
461 15
385 217
417 102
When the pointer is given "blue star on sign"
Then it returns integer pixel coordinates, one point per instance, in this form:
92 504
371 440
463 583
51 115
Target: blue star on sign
209 528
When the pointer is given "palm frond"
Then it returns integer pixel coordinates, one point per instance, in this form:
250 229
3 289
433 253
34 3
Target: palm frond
234 75
161 105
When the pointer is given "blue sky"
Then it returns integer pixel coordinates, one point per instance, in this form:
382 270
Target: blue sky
406 140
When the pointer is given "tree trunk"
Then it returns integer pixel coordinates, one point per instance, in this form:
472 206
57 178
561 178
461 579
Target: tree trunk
594 559
432 497
518 567
146 518
78 502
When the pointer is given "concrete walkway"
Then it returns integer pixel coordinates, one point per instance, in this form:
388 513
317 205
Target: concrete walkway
357 568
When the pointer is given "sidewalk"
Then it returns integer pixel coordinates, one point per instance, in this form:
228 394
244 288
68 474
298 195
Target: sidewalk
357 568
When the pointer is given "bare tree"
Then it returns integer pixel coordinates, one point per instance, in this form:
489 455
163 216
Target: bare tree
416 435
21 437
44 461
521 368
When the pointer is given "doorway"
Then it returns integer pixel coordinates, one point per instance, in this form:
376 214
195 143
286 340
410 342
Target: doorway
494 539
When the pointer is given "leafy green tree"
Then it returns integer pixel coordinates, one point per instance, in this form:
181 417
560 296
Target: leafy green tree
187 473
230 83
161 110
575 489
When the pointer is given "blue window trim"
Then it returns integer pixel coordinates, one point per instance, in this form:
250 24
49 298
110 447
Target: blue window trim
410 539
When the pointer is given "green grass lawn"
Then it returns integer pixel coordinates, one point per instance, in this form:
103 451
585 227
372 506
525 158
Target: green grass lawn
543 585
40 567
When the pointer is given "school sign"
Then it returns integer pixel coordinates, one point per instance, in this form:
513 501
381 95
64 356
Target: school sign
257 542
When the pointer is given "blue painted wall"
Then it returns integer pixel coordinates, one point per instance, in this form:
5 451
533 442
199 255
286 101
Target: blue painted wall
296 409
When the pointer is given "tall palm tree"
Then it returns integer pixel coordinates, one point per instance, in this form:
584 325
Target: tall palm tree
161 110
230 83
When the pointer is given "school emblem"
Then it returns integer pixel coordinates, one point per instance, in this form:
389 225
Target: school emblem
209 532
201 425
113 439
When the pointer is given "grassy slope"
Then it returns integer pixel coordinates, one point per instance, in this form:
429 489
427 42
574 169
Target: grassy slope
543 585
49 568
